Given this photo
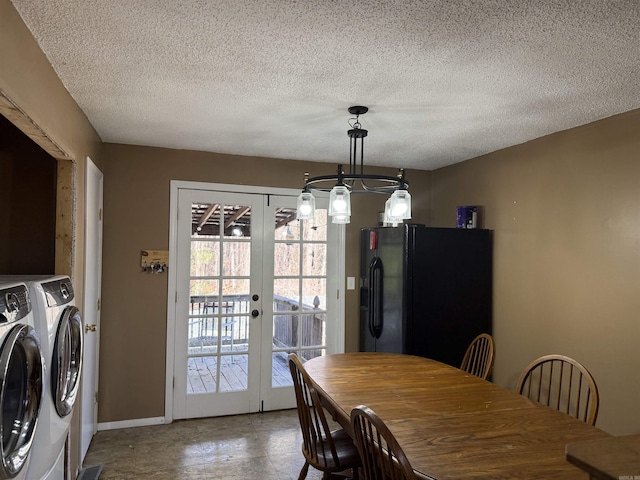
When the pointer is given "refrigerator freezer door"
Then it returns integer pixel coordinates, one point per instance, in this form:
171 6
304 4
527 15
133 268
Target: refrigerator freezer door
367 254
392 254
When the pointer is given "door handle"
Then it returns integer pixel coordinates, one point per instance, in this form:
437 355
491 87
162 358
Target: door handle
90 328
375 297
255 313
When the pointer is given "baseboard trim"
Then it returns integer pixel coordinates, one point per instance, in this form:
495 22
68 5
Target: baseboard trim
138 422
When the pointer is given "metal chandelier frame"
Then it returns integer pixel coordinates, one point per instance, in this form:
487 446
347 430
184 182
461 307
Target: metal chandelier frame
386 184
341 185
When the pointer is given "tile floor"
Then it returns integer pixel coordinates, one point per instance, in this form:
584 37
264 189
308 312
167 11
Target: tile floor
260 445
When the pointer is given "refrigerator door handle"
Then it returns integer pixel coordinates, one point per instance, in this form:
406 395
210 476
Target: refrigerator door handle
375 297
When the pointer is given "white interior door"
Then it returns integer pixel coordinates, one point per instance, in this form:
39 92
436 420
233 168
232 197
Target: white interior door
88 404
251 286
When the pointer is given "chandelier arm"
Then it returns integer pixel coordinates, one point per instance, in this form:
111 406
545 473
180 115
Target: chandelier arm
394 183
399 184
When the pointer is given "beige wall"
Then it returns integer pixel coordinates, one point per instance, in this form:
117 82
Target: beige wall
36 101
136 205
566 214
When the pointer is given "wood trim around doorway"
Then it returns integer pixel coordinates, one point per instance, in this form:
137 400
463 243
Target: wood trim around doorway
66 188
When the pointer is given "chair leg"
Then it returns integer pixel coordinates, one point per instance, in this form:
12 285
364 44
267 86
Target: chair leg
304 471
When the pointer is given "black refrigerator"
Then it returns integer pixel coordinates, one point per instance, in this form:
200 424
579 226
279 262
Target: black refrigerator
424 291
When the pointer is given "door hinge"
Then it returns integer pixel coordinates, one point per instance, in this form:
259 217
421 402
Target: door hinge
100 214
95 397
98 305
176 299
173 385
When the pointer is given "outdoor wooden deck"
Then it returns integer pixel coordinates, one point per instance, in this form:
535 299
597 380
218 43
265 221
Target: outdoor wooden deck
233 373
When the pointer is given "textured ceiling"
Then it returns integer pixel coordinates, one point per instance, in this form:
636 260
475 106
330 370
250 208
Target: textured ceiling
445 80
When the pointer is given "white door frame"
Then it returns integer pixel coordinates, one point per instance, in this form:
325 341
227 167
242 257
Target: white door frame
176 185
88 404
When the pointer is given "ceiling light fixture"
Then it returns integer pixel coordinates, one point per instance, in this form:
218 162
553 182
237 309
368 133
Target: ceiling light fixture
342 185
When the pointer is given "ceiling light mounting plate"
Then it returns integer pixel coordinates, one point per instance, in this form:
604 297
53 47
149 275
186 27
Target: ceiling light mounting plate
358 110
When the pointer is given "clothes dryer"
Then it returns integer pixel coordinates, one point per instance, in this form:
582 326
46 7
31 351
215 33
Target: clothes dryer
59 324
21 381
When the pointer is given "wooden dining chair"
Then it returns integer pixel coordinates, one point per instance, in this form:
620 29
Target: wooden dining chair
479 357
382 457
328 451
562 383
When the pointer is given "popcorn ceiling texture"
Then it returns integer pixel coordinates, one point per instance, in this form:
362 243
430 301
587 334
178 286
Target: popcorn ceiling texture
445 80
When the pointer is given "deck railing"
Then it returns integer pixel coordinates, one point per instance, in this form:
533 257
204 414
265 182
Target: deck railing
234 310
287 321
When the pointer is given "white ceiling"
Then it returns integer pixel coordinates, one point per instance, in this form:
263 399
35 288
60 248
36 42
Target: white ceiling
445 80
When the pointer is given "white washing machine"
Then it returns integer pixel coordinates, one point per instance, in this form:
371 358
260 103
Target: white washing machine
59 325
21 381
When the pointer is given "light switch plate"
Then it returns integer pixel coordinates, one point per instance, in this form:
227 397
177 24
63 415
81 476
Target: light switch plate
351 283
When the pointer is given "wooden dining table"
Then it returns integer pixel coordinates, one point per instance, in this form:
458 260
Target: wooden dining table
450 424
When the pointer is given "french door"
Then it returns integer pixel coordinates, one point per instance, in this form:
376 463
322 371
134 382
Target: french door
252 285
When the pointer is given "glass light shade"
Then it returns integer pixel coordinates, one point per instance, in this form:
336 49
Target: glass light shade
306 206
400 205
341 219
340 201
388 219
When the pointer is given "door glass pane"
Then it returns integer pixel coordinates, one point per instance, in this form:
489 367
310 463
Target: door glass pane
237 221
285 331
286 259
289 231
202 335
202 289
201 374
205 220
233 372
316 229
314 294
236 259
313 329
205 259
235 293
234 334
314 259
286 292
